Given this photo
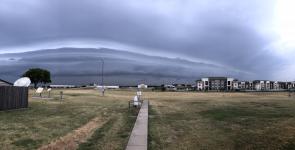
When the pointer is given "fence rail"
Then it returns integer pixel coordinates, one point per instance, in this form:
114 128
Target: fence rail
13 97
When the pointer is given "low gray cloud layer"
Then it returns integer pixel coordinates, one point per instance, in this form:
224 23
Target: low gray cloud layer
229 33
78 66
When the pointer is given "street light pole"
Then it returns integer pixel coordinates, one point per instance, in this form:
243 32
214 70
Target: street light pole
102 73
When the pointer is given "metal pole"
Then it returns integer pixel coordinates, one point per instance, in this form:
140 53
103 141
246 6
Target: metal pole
102 77
102 74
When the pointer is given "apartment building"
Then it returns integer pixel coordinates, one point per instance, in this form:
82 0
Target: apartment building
215 84
231 84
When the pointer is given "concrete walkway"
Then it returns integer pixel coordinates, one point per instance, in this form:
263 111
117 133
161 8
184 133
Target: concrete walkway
138 138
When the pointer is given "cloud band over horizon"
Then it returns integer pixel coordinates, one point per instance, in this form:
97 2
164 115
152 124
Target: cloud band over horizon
237 35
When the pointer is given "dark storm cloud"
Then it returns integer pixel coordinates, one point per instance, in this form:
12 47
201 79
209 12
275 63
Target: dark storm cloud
132 67
226 32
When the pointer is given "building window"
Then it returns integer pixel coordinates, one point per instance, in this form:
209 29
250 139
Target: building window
228 82
206 82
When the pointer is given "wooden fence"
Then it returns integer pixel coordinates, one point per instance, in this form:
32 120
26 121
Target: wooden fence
13 97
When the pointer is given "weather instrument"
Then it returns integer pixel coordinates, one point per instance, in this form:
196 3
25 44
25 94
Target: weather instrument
22 82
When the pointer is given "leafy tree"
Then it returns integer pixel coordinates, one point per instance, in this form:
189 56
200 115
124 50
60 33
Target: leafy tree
38 75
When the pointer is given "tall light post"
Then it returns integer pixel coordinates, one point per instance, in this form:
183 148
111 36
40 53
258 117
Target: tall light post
102 82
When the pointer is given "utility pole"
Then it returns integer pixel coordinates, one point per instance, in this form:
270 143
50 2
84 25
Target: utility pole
102 73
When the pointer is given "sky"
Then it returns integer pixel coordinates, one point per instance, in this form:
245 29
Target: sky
163 41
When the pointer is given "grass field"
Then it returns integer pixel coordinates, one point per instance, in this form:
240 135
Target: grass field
178 120
47 120
222 121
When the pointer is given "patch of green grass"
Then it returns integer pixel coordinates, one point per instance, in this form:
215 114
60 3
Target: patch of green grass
47 120
116 130
252 121
27 143
127 127
236 112
153 138
213 121
97 135
290 145
152 111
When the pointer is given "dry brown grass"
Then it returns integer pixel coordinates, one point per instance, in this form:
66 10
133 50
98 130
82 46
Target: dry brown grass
72 140
178 120
221 120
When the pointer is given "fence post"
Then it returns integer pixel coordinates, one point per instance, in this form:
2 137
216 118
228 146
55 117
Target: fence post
61 95
129 105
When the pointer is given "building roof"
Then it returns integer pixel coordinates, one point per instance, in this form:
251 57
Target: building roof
217 78
5 82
